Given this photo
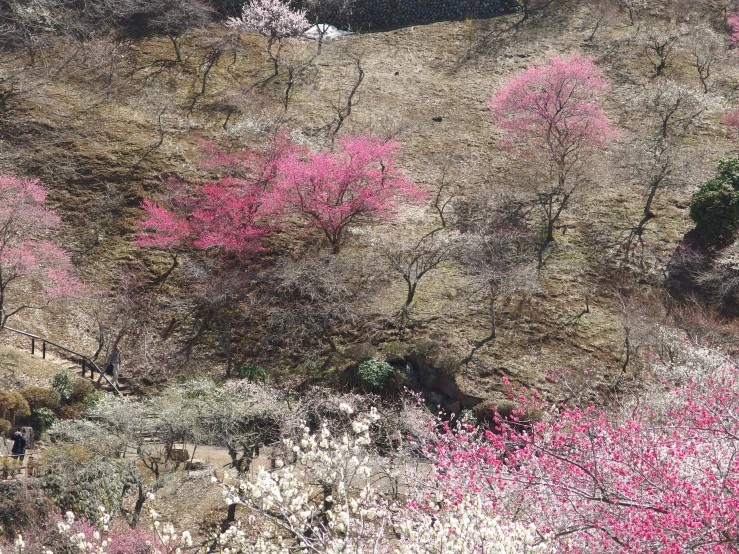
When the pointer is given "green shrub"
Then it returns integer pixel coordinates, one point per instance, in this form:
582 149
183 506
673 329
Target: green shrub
81 391
253 373
5 426
395 351
39 397
360 352
714 207
62 383
43 418
374 373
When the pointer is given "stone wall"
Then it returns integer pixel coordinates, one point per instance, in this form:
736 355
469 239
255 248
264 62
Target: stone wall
365 15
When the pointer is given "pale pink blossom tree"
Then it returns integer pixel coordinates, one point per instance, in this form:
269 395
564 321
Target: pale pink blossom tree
357 182
34 272
273 19
553 113
733 21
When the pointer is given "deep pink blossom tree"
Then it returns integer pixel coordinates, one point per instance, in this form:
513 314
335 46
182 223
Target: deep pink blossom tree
34 272
659 473
231 214
273 19
332 190
553 113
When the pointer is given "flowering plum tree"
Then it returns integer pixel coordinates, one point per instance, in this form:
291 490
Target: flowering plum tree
553 111
734 23
658 475
273 19
34 271
332 190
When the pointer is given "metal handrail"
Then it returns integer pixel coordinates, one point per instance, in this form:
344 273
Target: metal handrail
83 359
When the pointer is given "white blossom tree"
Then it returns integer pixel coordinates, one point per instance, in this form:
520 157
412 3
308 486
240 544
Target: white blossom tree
273 19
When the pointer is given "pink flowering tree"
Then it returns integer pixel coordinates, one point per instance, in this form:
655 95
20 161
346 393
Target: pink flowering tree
34 272
273 19
357 182
552 113
657 473
732 120
220 226
734 24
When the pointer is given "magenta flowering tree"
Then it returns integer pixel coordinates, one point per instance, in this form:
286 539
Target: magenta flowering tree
552 113
332 190
231 214
658 474
273 19
34 272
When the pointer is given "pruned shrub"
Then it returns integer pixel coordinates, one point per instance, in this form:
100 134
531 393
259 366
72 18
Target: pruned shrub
39 397
714 207
5 426
14 406
374 373
81 391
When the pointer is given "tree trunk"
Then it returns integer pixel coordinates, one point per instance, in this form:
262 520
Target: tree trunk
492 309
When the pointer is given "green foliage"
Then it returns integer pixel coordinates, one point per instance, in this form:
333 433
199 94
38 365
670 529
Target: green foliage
395 351
5 426
43 418
360 352
715 205
254 373
39 397
81 391
62 383
80 480
374 373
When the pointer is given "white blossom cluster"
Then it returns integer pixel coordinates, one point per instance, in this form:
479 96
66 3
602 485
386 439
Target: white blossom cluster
328 501
271 18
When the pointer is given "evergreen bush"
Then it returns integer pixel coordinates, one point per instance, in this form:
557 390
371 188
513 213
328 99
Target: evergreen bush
714 207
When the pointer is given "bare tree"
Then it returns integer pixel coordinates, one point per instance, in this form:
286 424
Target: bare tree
414 258
312 300
674 108
602 14
495 247
654 169
634 7
659 45
706 49
343 109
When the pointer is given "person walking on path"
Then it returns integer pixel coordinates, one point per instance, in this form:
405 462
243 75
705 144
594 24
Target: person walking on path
19 445
115 364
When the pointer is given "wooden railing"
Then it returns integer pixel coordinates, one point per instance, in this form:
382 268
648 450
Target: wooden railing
85 361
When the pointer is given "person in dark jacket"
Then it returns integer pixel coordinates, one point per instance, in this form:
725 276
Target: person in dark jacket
19 445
